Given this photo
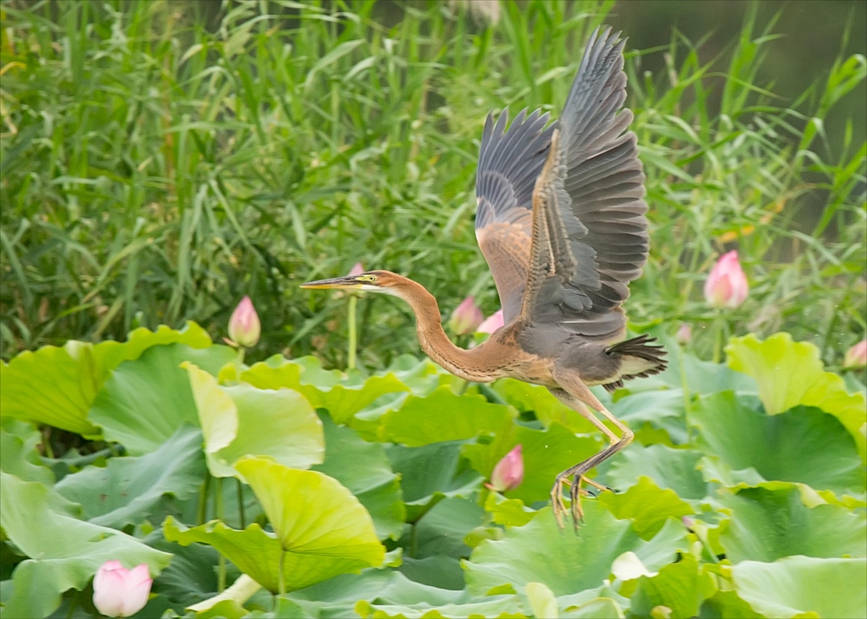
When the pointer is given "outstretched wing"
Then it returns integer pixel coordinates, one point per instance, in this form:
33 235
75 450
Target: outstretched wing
509 162
589 231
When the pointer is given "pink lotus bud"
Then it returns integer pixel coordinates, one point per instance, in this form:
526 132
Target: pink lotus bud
119 592
466 317
856 357
357 269
726 286
684 334
509 472
244 326
491 323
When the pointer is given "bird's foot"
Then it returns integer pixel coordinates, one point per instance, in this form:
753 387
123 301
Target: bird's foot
576 491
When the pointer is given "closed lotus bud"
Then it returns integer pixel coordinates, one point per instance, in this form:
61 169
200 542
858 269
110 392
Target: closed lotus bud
856 357
726 286
684 334
466 317
119 592
357 269
244 326
509 472
491 323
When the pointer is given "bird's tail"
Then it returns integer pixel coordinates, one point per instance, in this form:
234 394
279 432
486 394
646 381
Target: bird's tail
638 358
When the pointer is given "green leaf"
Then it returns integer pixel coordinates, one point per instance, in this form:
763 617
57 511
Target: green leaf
146 400
52 385
768 524
804 586
64 552
802 444
365 470
647 506
442 416
128 490
670 468
538 400
57 386
564 561
508 512
18 454
790 374
500 607
431 473
342 396
663 409
681 587
545 452
322 527
442 530
242 419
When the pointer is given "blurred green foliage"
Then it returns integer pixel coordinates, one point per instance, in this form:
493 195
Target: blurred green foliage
160 160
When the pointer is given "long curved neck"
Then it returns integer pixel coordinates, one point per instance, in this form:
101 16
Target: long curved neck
434 341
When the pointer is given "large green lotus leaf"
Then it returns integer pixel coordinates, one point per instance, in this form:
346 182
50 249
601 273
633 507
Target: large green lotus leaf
442 530
670 468
191 576
663 409
431 473
146 400
545 453
18 455
803 444
564 561
686 371
128 490
539 401
257 553
315 518
241 420
501 607
64 552
341 396
364 468
57 386
508 512
768 524
439 571
727 605
646 505
804 587
790 373
443 416
681 586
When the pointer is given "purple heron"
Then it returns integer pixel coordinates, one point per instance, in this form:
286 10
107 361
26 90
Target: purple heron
561 222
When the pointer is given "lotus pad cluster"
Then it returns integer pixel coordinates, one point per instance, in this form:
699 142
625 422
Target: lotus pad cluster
317 493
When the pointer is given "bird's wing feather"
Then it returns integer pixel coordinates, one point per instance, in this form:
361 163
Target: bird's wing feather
589 230
509 162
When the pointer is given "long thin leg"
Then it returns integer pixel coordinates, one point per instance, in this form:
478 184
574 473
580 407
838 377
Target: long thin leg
575 394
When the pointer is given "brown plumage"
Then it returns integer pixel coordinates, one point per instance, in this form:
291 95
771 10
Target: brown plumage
561 222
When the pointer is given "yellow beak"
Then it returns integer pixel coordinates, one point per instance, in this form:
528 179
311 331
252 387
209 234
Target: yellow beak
342 283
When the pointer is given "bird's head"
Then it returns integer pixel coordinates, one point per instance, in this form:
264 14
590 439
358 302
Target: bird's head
369 281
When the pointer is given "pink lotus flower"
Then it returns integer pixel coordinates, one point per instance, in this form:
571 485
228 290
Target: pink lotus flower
856 357
509 472
119 592
491 323
726 286
357 269
244 326
684 334
466 317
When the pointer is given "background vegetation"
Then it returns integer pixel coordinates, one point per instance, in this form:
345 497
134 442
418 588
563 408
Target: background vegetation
160 160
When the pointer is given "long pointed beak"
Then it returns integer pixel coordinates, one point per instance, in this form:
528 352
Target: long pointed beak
343 283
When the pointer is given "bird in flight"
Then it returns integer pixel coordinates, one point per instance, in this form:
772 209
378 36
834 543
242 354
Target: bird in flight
561 222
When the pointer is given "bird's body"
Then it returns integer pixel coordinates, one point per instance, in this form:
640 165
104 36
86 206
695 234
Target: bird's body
561 222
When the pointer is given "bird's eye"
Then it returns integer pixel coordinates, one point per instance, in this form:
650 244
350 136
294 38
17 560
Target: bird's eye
368 278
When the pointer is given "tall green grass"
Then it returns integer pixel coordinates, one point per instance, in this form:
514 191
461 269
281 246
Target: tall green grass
156 167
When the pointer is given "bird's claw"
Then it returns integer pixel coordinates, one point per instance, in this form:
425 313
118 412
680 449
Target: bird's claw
576 491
